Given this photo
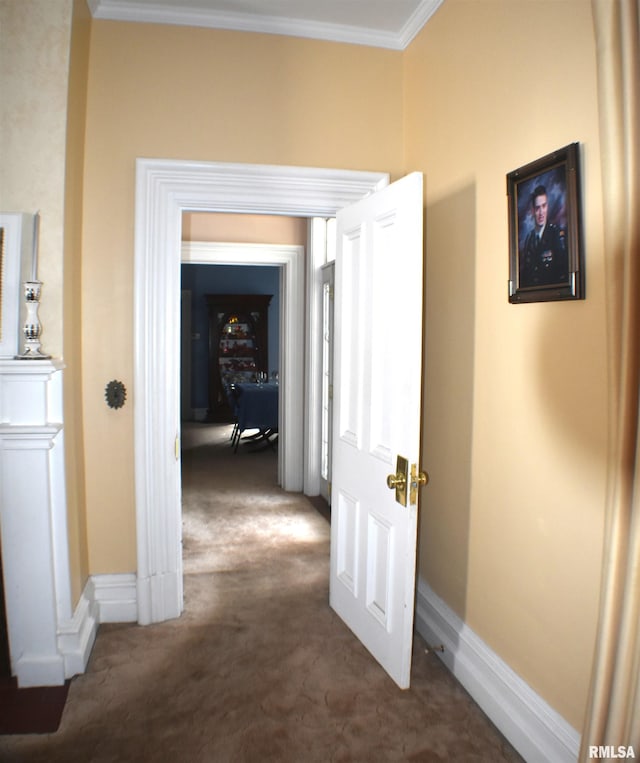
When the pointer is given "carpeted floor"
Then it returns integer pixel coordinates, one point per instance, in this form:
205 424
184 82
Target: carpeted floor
258 668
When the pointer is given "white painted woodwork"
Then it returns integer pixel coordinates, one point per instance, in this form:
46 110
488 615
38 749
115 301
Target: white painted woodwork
377 399
395 25
114 597
164 190
33 522
316 257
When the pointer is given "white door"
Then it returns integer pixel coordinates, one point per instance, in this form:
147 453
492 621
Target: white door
377 413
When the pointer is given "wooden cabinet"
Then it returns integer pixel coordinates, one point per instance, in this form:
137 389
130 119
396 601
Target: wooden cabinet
238 345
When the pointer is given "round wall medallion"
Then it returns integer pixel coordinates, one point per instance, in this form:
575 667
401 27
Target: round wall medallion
115 394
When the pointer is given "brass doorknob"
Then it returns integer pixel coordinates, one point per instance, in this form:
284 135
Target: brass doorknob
422 478
417 479
396 480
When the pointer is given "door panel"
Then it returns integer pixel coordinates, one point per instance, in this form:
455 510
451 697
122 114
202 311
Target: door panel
347 548
377 397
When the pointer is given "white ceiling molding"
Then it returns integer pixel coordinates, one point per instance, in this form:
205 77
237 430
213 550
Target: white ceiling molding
417 20
181 14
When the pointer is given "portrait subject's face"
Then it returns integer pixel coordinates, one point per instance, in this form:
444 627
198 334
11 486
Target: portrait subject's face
540 211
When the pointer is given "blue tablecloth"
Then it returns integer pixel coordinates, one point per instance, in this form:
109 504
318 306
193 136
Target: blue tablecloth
257 406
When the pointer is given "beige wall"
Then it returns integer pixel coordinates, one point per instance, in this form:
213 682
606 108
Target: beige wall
34 64
244 229
179 92
72 296
515 395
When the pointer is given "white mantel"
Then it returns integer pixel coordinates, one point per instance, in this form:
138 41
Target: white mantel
47 642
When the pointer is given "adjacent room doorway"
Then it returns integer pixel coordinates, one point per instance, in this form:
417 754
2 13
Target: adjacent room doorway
164 190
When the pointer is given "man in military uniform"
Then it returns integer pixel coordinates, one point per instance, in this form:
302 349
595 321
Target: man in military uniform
544 258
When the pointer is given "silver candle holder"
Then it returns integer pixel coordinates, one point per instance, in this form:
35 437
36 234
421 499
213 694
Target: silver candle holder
32 326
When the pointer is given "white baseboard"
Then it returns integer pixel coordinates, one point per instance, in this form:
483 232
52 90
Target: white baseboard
535 730
105 599
77 636
39 671
116 597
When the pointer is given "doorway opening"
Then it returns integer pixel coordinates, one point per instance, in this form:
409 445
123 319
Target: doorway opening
230 341
230 334
164 190
288 261
212 377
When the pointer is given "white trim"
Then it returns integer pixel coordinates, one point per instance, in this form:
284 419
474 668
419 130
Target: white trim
115 597
416 21
290 259
33 514
77 636
534 728
156 13
105 599
164 189
316 257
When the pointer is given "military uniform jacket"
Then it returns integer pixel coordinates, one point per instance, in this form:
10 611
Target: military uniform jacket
544 259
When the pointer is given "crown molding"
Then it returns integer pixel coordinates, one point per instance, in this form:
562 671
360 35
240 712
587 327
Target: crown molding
156 13
417 20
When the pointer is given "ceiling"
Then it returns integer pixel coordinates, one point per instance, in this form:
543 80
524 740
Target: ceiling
379 23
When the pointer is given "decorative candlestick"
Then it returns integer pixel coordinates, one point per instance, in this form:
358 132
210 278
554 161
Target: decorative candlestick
34 252
32 328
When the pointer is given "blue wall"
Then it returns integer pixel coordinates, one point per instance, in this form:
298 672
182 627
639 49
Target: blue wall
226 279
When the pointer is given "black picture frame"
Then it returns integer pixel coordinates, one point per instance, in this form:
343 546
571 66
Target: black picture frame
546 195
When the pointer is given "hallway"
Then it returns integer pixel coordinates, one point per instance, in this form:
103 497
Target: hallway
258 668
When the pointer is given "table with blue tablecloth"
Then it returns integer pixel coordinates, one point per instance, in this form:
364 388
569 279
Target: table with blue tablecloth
256 407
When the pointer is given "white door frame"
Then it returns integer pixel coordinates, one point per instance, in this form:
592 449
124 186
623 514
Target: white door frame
316 257
326 392
290 260
166 188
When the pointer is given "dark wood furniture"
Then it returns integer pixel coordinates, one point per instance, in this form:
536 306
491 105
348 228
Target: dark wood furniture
238 346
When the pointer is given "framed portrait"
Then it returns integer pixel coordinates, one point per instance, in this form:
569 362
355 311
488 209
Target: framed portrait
546 260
